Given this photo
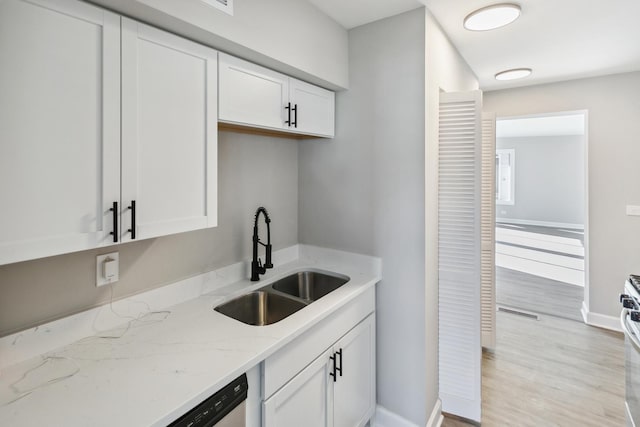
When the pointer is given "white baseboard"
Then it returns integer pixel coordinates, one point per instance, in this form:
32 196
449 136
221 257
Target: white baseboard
386 418
600 320
436 418
541 223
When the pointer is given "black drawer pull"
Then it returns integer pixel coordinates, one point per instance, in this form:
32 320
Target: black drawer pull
295 116
340 368
333 372
288 108
132 230
114 233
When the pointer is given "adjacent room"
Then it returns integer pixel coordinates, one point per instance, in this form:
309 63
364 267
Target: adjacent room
540 211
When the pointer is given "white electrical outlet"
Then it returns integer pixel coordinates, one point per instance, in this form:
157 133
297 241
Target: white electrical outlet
633 210
107 268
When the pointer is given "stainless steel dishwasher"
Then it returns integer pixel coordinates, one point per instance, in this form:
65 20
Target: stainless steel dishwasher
226 408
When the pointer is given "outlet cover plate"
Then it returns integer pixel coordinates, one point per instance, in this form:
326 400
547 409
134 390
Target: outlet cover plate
101 280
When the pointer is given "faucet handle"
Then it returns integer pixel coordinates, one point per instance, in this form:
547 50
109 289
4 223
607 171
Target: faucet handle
267 261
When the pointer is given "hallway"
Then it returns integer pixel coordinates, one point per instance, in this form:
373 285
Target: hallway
552 372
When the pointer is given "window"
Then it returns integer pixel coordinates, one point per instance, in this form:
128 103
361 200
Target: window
505 176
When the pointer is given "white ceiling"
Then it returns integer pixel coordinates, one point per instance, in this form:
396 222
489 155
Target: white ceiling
559 39
353 13
572 124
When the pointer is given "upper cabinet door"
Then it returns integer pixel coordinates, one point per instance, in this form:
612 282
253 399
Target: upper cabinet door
253 95
169 133
59 127
313 109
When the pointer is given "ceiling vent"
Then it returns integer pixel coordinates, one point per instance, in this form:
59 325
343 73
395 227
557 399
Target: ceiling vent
224 5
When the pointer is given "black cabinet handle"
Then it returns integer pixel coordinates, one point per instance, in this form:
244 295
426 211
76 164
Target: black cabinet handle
114 233
295 116
333 373
340 368
288 108
132 230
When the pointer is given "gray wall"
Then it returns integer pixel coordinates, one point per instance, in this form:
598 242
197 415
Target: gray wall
252 170
549 179
613 150
364 192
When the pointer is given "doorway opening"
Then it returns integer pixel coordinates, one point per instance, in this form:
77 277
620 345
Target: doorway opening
541 214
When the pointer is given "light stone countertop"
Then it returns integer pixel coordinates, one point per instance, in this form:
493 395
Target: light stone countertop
164 364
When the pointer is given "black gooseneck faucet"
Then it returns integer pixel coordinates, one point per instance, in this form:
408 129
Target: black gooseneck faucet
256 264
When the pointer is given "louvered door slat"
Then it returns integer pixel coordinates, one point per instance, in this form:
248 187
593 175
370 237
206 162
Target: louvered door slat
488 227
459 253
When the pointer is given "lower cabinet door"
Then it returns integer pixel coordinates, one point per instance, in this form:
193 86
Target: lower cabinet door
306 400
354 390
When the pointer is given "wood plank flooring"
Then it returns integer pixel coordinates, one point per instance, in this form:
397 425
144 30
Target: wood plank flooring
547 249
552 372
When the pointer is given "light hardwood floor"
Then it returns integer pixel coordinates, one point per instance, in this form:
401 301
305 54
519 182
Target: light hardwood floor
545 248
552 372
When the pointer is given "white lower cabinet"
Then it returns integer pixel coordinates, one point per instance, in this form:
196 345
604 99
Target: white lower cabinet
306 400
354 388
336 389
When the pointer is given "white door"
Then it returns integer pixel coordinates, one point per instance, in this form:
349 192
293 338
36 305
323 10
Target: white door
306 400
169 133
460 349
313 109
488 230
59 127
252 95
354 389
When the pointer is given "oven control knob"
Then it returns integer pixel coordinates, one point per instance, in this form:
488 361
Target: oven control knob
635 316
628 303
623 296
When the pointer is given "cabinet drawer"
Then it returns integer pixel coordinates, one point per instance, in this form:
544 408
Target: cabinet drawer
293 358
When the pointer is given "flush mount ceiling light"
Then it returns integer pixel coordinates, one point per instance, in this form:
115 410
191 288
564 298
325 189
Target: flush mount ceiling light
516 73
492 17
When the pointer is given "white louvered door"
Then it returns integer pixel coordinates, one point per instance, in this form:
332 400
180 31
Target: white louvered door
459 172
487 231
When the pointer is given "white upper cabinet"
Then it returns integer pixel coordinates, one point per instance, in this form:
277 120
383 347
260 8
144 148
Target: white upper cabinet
106 133
169 133
313 108
59 127
251 95
255 96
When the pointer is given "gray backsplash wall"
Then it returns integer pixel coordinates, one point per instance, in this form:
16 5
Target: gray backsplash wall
252 171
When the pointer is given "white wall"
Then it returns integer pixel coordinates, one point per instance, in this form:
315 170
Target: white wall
364 192
613 176
291 36
445 71
549 179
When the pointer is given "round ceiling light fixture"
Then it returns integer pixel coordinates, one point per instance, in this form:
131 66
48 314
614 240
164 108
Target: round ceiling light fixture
516 73
492 17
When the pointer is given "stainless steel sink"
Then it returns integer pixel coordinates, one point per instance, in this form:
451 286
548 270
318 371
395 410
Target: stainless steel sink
282 298
309 285
260 307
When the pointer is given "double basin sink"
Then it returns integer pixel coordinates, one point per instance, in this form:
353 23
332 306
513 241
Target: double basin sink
281 298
